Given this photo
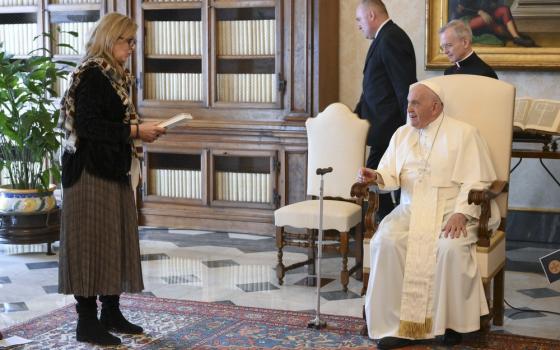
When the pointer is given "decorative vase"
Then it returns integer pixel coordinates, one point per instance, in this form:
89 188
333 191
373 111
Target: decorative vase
26 201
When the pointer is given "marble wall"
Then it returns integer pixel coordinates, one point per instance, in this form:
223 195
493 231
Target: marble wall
531 186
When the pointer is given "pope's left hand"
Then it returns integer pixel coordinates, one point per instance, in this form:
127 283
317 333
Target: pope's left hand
456 225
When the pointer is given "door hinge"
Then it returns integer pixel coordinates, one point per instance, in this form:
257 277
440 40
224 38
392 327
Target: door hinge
276 198
281 83
275 164
139 81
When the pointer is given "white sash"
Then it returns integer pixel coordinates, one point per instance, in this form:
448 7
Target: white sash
417 294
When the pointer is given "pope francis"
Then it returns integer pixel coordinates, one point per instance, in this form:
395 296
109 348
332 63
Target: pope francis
424 281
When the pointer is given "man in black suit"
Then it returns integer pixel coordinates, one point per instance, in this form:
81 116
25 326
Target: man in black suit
390 68
456 42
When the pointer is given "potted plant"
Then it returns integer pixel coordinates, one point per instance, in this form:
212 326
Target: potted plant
29 141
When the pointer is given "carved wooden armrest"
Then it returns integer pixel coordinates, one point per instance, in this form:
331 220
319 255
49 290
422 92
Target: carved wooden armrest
361 190
483 198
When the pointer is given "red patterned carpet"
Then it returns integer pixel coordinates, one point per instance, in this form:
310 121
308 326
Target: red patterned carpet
180 324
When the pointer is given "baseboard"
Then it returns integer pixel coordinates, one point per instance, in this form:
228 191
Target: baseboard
533 226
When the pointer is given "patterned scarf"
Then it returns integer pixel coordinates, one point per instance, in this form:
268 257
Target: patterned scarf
121 87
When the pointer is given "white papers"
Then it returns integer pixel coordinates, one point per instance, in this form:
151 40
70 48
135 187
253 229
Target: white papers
176 120
15 340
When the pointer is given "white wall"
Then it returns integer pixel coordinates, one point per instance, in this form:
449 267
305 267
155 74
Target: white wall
530 185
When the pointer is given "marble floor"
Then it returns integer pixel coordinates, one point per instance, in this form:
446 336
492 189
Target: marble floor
239 269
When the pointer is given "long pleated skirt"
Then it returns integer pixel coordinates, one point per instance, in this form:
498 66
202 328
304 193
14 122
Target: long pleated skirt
99 244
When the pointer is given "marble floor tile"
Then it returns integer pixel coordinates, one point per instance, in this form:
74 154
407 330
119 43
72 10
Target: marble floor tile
13 307
257 287
42 265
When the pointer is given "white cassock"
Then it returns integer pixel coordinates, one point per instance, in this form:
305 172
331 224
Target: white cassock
457 162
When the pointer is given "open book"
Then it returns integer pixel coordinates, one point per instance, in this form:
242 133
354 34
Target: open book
537 115
176 120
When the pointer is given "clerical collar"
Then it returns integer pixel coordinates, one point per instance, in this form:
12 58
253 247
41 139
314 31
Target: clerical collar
430 130
466 57
426 140
380 27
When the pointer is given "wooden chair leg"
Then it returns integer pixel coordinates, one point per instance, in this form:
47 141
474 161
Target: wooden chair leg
485 320
359 251
344 275
280 244
365 283
364 330
498 299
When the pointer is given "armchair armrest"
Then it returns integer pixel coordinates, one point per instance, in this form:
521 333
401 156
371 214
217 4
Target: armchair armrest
361 190
483 198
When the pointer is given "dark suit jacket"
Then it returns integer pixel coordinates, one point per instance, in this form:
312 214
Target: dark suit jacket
472 65
390 68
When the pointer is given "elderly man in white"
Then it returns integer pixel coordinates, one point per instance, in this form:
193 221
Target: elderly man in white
424 281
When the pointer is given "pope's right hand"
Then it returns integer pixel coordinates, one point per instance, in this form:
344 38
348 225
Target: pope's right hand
366 175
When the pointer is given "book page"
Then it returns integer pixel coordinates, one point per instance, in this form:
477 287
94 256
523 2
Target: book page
544 115
176 120
521 111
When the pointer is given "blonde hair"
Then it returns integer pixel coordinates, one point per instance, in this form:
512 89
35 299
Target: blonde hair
104 36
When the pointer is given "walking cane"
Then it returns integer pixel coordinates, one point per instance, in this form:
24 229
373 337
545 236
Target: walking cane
317 323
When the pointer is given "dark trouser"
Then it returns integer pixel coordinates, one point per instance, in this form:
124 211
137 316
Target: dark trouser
385 200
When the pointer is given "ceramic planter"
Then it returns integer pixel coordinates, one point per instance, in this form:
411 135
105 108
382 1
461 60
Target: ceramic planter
26 201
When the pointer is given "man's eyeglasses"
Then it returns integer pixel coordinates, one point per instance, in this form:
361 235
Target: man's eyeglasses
446 46
130 41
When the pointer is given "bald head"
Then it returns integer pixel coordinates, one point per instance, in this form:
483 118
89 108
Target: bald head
370 14
377 5
424 105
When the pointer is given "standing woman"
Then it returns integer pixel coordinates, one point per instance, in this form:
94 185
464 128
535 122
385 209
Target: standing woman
99 244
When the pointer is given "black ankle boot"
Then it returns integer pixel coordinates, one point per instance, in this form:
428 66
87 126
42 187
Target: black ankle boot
89 329
112 318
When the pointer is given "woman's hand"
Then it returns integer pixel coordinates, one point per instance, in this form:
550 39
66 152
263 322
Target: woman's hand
148 132
366 175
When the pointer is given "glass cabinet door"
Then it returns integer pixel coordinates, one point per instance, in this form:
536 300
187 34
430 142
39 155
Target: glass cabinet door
18 28
174 175
173 47
70 23
246 56
243 179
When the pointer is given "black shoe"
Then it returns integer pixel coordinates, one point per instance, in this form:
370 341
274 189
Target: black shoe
91 331
112 318
451 338
392 343
524 41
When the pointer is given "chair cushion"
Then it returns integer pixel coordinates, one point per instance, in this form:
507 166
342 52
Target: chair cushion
491 259
337 215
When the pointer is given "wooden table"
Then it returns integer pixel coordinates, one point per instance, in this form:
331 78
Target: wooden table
538 154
